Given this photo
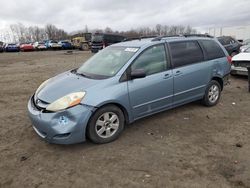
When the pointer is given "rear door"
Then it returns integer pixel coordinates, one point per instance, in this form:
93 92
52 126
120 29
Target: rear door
191 73
154 92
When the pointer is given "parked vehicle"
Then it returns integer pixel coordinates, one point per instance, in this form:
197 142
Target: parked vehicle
26 47
39 46
1 46
240 63
231 45
11 47
246 42
65 44
53 44
102 40
125 82
244 48
81 41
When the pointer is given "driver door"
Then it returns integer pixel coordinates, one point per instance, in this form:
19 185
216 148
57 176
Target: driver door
154 92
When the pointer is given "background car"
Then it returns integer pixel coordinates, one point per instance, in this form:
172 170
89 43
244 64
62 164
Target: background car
240 62
26 46
102 40
244 48
12 47
65 44
39 46
1 46
230 44
53 44
246 42
246 45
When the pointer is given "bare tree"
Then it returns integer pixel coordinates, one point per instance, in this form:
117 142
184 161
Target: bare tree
158 29
108 30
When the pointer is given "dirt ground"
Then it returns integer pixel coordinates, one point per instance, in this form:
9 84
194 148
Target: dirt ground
191 146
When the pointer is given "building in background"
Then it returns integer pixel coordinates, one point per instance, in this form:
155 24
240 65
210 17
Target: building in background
238 32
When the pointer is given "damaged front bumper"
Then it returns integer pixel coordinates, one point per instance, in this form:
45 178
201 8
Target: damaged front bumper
63 127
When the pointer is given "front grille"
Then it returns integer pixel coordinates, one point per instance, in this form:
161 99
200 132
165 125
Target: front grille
39 104
241 63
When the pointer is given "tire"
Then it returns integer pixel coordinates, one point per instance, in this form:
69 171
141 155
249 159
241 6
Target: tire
212 93
106 124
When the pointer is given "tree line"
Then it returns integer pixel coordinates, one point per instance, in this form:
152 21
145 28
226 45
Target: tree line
20 33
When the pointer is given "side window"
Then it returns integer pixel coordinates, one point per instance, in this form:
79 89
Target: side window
184 53
212 49
227 40
152 60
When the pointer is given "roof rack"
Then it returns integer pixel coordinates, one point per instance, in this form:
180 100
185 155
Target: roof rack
139 38
182 35
165 36
198 35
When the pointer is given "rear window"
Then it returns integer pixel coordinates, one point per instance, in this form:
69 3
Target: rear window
186 52
212 49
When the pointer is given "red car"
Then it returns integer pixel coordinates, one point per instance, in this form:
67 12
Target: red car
26 47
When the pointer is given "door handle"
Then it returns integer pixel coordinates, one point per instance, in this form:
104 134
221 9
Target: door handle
177 73
166 76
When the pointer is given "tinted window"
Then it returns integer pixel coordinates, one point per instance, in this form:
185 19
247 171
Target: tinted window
152 60
184 53
221 40
212 49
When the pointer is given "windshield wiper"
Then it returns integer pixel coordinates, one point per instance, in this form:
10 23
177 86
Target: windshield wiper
80 74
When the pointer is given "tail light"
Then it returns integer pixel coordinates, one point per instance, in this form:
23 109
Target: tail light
229 59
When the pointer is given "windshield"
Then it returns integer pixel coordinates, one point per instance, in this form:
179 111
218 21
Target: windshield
247 50
107 62
97 38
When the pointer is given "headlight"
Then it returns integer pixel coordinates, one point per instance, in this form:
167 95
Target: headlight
66 102
42 86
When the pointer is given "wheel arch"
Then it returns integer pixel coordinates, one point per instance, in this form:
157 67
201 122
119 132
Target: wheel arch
123 109
219 80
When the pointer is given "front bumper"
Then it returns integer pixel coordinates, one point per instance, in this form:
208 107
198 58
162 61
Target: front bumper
239 70
63 127
95 49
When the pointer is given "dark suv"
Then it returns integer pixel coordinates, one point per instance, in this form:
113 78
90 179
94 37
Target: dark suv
102 40
230 44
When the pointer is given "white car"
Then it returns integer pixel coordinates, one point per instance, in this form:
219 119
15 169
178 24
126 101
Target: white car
244 48
39 46
240 63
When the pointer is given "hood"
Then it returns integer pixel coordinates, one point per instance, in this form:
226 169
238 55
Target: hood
64 84
241 57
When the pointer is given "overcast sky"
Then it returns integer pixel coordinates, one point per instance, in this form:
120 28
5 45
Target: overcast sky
73 15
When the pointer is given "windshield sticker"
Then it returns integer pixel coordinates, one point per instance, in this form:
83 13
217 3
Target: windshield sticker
131 49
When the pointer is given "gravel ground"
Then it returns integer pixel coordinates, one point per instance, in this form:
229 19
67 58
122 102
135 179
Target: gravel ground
190 146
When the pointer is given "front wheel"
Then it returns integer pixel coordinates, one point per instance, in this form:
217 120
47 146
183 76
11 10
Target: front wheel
212 93
106 124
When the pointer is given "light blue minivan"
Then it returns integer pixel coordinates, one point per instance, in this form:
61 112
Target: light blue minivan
125 82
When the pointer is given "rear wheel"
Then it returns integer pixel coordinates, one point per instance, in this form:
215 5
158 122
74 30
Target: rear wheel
106 124
212 93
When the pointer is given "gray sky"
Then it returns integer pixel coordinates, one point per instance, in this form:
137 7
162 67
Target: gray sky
73 15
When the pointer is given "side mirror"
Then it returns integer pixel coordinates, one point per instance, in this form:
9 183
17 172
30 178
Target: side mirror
138 73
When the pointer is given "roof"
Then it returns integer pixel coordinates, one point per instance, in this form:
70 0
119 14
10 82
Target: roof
150 41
